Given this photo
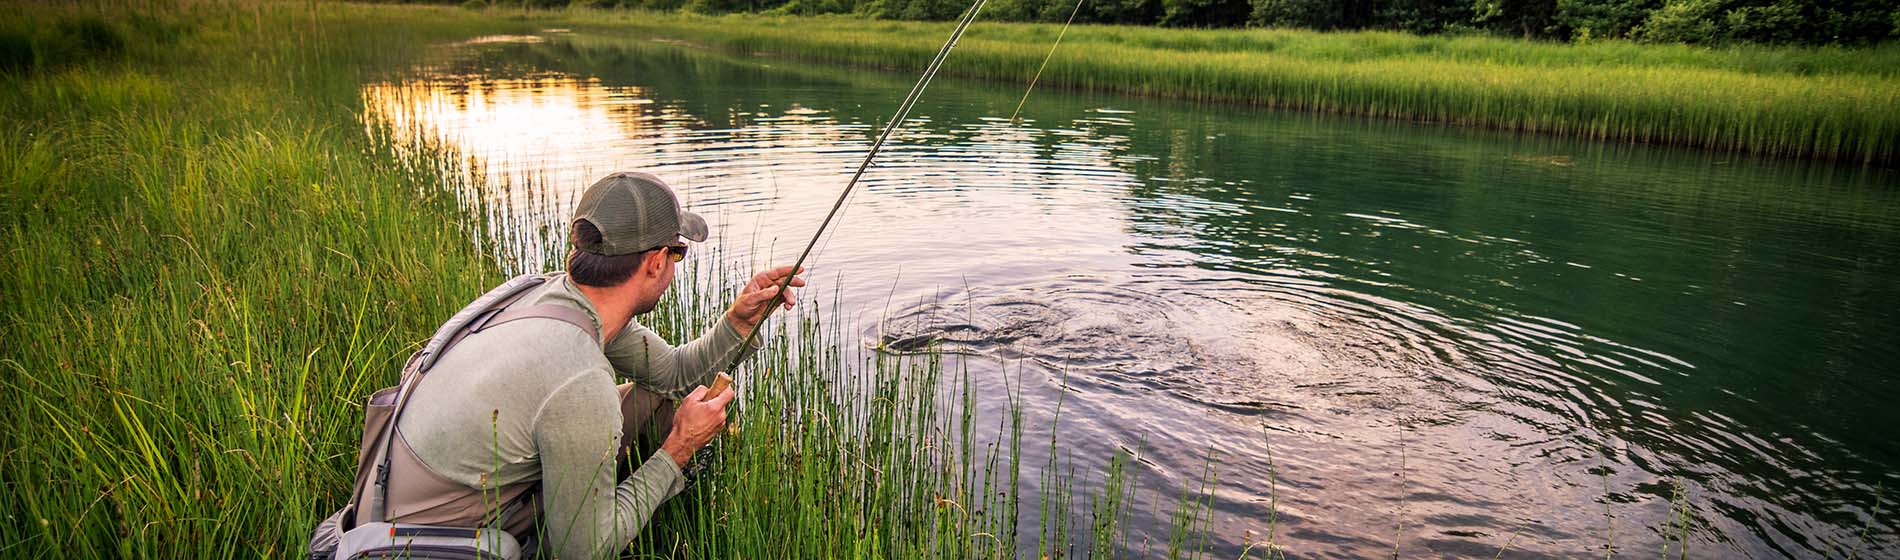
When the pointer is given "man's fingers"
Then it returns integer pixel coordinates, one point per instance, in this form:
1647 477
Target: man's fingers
723 397
698 394
763 295
778 275
774 277
764 286
758 299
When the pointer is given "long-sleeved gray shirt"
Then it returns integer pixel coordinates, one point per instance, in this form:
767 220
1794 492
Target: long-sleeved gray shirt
535 400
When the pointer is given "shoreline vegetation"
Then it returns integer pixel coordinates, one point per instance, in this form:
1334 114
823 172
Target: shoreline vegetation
217 256
215 265
1837 103
212 266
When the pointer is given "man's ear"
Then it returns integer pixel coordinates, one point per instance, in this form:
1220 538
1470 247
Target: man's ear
652 261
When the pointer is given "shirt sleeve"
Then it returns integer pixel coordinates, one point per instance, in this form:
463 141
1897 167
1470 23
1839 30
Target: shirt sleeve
586 514
640 354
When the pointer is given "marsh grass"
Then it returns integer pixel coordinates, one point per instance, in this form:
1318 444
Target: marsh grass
1809 102
209 266
214 256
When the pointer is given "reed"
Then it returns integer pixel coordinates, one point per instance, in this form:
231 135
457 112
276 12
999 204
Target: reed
209 263
215 256
1681 515
1834 103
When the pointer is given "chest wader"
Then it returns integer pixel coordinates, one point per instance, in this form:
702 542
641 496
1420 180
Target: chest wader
442 519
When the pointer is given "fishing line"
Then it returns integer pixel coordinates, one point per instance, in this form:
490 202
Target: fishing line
903 113
1045 60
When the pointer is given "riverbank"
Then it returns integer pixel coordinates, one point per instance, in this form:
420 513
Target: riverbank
1830 103
214 264
211 265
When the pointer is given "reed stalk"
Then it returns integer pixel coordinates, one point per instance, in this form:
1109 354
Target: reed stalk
214 257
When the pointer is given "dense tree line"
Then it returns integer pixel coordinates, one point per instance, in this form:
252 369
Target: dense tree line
1707 22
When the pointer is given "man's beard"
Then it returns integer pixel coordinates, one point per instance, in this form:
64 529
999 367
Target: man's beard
644 308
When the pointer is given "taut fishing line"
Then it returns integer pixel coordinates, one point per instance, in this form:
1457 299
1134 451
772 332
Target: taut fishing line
903 113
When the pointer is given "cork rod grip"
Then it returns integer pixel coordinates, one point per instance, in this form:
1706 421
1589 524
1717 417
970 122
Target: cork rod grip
719 386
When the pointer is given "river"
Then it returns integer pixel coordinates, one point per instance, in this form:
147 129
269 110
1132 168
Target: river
1451 341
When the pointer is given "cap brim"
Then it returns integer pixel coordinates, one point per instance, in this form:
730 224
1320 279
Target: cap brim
692 227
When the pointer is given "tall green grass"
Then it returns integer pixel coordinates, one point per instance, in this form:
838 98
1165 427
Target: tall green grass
211 264
213 256
839 451
1817 102
208 265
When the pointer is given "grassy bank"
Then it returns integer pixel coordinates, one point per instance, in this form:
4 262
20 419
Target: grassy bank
211 264
1809 102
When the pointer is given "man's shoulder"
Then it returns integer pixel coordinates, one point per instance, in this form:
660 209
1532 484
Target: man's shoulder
540 339
546 348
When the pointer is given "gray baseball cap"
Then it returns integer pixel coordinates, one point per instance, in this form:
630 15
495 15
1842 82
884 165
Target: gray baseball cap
635 212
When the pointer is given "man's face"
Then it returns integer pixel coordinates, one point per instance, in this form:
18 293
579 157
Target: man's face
655 285
668 269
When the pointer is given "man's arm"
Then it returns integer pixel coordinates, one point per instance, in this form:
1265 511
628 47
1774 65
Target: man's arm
586 514
640 354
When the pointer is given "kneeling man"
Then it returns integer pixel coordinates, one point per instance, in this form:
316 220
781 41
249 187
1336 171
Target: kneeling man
523 423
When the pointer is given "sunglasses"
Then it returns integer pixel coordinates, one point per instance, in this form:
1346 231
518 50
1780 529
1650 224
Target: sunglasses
678 252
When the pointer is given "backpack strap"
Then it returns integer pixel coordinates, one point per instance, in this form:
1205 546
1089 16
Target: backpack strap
566 314
490 310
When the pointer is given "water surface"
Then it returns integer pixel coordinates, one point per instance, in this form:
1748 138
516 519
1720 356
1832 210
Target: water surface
1395 337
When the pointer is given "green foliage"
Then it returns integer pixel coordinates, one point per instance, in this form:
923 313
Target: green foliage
74 39
1121 11
719 6
1773 22
1603 19
1308 14
215 256
16 50
1827 102
188 320
1682 21
1424 16
1793 22
919 10
1204 13
1524 18
814 7
1029 10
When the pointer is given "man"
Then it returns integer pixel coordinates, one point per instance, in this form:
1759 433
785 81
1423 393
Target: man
528 412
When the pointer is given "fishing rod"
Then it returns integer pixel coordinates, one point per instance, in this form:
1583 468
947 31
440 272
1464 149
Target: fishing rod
903 113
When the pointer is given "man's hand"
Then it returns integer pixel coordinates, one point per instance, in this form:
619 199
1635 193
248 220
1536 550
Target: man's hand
749 309
695 424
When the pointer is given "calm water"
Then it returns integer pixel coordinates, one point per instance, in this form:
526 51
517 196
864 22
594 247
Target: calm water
1452 341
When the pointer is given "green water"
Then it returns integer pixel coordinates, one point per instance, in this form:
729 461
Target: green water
1452 341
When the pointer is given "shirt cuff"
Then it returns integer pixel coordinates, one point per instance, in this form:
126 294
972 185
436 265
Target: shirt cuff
730 337
661 469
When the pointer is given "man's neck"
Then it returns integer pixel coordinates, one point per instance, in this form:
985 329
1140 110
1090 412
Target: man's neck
614 307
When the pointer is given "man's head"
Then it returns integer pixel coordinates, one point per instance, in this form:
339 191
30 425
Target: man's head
628 232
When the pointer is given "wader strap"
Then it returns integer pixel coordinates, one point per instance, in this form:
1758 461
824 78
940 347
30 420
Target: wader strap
496 312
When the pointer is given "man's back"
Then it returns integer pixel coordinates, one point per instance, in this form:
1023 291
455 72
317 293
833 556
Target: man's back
525 402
